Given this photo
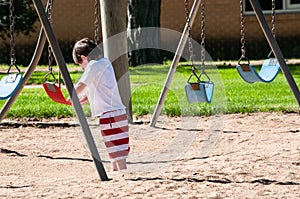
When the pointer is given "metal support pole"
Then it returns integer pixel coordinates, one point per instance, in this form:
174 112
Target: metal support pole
175 62
275 48
69 85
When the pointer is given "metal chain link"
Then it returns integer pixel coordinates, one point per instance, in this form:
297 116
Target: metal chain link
273 17
271 54
49 10
12 30
203 41
202 34
96 22
191 50
50 56
243 41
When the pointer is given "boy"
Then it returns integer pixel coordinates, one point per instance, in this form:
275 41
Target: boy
98 86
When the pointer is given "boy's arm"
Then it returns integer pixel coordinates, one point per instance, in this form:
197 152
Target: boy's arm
79 88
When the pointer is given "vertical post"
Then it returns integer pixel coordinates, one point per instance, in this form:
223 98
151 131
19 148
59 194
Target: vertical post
275 48
113 20
175 62
66 76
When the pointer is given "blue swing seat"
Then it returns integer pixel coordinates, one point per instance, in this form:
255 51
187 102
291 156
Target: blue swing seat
268 72
199 91
9 84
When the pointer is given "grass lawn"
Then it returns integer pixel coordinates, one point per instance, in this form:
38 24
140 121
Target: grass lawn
231 93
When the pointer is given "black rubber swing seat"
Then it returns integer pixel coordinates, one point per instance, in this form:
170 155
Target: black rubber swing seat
268 72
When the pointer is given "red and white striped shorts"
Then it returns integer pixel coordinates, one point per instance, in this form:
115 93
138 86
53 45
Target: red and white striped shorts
114 130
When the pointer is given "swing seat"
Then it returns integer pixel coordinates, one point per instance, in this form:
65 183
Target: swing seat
199 91
9 84
55 93
268 72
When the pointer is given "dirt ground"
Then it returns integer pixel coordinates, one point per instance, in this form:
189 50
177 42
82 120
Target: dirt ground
230 156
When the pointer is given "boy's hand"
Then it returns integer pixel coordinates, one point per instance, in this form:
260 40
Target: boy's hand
82 101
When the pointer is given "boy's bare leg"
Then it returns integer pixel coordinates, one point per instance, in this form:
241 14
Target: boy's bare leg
114 166
121 164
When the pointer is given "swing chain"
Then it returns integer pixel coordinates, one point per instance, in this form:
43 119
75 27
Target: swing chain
273 17
50 54
203 40
202 34
96 22
243 41
49 10
50 57
191 50
12 38
273 22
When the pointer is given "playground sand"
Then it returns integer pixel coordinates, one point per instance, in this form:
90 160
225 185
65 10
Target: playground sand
252 156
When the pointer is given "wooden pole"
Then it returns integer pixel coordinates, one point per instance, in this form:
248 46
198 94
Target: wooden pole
113 21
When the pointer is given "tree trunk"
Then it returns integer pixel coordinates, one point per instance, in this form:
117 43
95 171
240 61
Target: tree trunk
142 14
113 20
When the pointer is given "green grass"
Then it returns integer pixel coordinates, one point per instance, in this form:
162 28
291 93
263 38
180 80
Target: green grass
231 95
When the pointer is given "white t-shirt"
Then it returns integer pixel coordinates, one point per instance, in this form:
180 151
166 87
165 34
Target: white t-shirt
101 87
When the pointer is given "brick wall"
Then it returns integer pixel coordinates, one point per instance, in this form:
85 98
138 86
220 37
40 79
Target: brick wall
74 19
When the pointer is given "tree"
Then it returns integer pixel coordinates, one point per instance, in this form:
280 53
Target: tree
24 17
142 14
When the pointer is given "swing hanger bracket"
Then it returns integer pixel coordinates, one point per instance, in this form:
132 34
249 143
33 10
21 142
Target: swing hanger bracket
203 73
244 60
50 73
10 66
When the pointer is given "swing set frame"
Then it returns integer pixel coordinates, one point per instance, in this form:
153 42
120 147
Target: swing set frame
268 34
46 33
